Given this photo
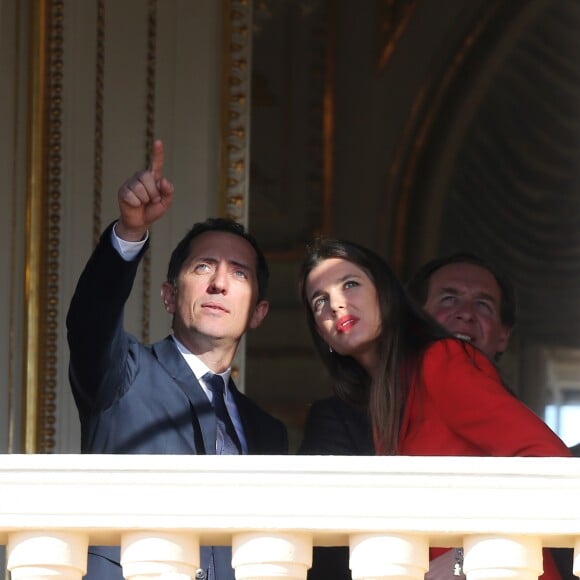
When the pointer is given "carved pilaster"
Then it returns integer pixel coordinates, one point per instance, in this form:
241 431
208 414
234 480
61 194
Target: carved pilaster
234 173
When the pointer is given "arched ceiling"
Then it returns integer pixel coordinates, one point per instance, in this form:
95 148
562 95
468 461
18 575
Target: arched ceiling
513 192
466 139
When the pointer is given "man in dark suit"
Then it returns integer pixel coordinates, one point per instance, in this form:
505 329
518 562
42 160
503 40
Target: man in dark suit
468 297
175 396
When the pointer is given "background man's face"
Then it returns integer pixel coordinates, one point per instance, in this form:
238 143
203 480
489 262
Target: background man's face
466 300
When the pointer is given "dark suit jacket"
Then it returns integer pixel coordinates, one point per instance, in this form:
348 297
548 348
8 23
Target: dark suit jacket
133 398
335 428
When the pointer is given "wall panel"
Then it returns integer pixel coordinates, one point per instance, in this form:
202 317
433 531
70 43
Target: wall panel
160 77
131 70
13 114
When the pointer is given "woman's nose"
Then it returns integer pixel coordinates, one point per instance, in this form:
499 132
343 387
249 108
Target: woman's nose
337 301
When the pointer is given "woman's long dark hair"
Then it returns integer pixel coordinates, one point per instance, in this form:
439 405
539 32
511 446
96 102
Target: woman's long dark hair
405 333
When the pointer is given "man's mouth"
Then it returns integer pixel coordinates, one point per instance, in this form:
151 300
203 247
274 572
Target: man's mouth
215 306
463 337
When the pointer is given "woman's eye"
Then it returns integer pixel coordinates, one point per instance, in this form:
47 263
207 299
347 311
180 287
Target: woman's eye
240 274
318 303
350 284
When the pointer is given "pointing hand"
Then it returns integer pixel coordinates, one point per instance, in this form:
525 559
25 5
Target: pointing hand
144 198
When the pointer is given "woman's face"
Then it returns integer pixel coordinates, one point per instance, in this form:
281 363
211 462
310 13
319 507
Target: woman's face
346 311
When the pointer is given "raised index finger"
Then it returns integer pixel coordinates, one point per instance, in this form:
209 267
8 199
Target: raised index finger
157 158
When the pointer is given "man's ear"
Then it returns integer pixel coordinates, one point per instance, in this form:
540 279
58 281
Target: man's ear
503 338
259 314
168 292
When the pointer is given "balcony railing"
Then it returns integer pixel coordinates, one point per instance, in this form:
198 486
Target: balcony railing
273 510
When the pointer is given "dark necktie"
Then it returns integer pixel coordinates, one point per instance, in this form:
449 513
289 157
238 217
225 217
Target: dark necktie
227 441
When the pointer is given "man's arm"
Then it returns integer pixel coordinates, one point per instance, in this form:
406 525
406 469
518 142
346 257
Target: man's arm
97 341
98 344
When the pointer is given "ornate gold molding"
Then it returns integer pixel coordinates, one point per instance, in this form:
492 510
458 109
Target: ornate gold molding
36 172
43 224
235 125
235 122
393 17
149 138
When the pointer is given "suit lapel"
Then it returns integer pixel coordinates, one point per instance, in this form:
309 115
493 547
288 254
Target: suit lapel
171 360
243 412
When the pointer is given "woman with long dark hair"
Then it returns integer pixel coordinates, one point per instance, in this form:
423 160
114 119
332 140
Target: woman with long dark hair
426 392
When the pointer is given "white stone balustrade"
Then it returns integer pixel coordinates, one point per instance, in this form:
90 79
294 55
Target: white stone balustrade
273 509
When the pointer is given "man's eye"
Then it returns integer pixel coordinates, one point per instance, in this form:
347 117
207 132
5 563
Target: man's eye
485 306
241 274
350 284
448 300
203 267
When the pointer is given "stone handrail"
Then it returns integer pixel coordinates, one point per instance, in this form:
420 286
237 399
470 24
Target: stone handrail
273 509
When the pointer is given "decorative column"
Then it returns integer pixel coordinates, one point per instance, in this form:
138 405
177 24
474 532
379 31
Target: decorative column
501 557
43 556
263 556
375 557
147 555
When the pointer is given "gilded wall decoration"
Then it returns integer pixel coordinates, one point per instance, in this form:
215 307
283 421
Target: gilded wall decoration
237 26
393 16
43 227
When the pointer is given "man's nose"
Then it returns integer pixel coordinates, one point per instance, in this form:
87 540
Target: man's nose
219 281
465 311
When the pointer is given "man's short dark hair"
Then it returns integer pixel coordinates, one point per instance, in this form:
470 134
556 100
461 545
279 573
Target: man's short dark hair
182 250
418 285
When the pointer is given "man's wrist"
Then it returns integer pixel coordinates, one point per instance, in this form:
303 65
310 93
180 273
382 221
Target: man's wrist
127 249
128 234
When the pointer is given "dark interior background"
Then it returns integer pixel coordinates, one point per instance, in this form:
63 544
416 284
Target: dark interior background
419 128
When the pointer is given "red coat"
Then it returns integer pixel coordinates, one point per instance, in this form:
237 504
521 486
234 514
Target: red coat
458 406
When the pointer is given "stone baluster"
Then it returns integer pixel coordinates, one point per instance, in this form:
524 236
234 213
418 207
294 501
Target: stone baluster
265 556
502 557
379 556
40 555
167 555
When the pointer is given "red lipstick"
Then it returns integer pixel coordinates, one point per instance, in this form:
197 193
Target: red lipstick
345 323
